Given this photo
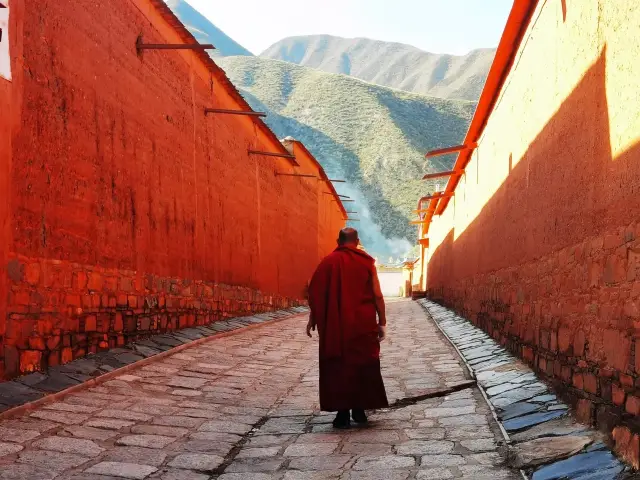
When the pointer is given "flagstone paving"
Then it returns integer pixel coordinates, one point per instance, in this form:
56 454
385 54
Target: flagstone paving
245 407
545 441
36 385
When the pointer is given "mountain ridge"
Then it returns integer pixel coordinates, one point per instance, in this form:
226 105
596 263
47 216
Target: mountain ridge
205 31
372 136
391 64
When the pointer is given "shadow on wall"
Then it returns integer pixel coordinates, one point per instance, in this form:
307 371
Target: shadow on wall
551 264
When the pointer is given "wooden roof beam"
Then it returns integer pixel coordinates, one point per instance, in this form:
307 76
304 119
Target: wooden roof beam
341 196
437 196
172 46
234 112
456 148
278 174
271 154
440 174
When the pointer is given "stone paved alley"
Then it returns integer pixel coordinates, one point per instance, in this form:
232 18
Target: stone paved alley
245 407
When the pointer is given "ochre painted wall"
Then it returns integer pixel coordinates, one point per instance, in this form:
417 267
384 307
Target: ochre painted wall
541 244
131 211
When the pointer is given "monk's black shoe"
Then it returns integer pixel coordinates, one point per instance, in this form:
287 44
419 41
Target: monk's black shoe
342 420
359 416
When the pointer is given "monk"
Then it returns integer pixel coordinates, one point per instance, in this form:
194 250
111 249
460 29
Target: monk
344 296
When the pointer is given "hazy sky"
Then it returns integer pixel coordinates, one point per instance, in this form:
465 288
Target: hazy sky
438 26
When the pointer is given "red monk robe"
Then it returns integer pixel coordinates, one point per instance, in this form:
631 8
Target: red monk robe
342 296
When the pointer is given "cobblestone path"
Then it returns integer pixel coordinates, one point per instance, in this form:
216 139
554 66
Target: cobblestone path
245 407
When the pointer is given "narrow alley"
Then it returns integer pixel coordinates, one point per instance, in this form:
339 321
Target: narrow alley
245 407
167 195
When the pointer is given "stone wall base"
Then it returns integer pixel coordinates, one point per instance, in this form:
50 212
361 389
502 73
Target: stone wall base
604 398
59 311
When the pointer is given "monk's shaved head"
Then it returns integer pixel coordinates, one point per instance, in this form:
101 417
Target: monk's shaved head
348 236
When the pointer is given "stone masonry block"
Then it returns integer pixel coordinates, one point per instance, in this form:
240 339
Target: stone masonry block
90 323
618 395
616 348
632 405
590 383
564 339
80 280
30 360
626 380
95 282
585 411
627 445
578 381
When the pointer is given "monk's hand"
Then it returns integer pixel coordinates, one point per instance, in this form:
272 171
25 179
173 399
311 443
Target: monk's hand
310 327
382 332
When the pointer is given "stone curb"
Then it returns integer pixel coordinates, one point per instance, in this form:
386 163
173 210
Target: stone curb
53 397
492 364
472 374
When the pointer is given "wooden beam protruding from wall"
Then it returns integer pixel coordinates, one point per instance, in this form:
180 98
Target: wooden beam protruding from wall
438 195
172 46
270 154
439 174
341 196
456 148
251 113
278 174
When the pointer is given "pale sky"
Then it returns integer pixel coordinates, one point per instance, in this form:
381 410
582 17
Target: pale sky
438 26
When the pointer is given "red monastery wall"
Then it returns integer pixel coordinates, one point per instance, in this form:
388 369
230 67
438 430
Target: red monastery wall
130 211
541 244
6 124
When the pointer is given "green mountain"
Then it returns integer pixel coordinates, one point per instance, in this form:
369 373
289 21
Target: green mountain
205 31
374 137
390 64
